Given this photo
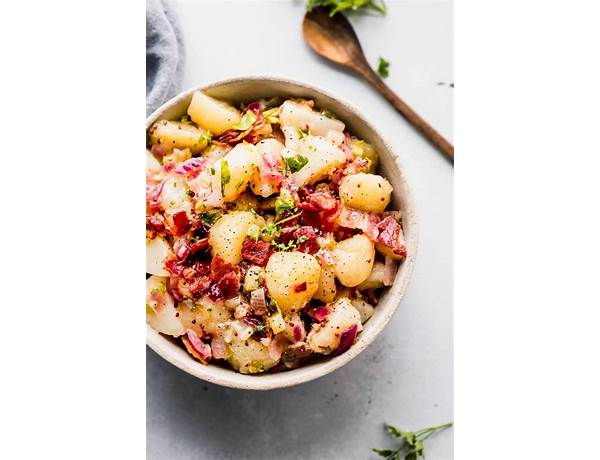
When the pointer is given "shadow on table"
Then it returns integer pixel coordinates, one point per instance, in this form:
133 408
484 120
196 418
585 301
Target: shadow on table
224 423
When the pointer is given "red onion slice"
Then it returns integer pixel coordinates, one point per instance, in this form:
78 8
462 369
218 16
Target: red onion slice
389 271
258 301
346 339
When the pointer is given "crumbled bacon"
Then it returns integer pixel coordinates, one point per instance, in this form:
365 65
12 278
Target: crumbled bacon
365 221
198 349
155 223
181 248
159 149
174 267
181 223
390 235
257 252
218 268
229 284
199 286
310 244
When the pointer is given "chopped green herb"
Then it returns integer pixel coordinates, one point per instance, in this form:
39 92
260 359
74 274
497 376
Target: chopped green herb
211 217
262 328
225 175
245 122
304 132
412 443
185 119
302 239
284 204
336 6
205 137
296 163
271 230
149 309
383 68
239 184
212 171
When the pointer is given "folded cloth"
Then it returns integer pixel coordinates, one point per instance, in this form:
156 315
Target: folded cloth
164 53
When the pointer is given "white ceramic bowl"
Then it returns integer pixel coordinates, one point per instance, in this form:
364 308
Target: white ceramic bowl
247 89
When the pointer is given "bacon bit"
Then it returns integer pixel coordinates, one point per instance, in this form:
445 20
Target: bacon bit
300 287
365 221
174 267
181 248
181 223
200 286
310 244
198 349
390 235
155 223
346 339
229 285
257 252
214 293
218 268
319 313
191 167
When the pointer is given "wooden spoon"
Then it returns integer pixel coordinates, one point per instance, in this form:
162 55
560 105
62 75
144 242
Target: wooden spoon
334 39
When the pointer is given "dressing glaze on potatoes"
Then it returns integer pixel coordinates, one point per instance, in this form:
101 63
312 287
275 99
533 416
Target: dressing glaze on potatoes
268 230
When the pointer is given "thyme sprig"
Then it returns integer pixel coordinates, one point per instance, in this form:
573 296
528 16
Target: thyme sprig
412 443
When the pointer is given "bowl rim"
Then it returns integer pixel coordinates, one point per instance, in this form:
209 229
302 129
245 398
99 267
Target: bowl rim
232 379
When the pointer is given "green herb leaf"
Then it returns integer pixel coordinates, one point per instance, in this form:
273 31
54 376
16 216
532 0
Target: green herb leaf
335 6
383 68
328 114
284 204
296 163
225 175
245 122
272 115
304 133
211 217
412 443
205 137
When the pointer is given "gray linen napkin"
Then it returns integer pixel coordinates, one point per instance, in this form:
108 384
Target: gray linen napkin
165 54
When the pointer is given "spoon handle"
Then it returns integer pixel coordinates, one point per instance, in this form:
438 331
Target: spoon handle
413 117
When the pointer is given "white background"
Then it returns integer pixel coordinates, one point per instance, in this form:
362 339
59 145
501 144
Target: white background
526 230
405 377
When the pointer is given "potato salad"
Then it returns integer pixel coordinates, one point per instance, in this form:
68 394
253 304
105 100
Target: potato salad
268 233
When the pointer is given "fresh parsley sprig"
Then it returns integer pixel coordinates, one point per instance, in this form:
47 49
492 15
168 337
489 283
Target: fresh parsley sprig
412 443
296 163
383 68
335 6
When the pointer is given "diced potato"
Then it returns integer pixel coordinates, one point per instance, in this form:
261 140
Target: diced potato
302 116
361 149
210 314
174 194
365 309
157 251
228 233
367 192
354 258
250 356
253 278
152 164
269 166
291 137
212 114
375 278
292 278
242 165
327 289
161 313
323 158
325 337
175 134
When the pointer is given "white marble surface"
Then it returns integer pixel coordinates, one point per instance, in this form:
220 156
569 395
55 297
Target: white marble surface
405 377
